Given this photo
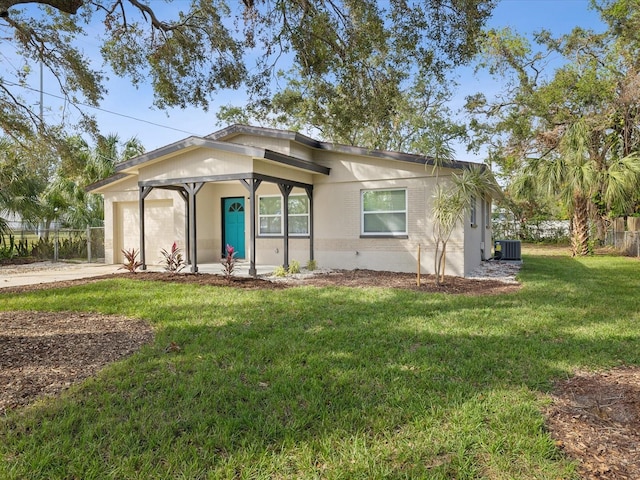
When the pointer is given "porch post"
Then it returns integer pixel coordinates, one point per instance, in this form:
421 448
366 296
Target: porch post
285 190
309 191
252 185
185 197
142 194
192 190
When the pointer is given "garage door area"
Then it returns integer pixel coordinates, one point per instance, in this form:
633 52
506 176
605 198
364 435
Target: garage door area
158 224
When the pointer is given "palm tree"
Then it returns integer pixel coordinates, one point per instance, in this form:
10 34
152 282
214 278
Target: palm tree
580 173
19 189
66 199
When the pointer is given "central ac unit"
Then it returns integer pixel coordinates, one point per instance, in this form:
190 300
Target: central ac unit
507 250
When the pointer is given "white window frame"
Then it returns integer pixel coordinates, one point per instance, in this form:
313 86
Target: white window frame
373 212
487 214
473 211
281 216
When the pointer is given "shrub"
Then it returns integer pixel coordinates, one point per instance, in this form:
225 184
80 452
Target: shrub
173 261
43 249
280 271
294 267
229 262
312 265
131 263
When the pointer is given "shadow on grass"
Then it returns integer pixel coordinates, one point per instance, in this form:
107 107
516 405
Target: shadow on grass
288 381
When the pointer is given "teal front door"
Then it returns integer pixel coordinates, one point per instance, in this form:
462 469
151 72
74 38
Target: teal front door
233 225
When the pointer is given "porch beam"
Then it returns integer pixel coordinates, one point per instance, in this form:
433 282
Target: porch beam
171 183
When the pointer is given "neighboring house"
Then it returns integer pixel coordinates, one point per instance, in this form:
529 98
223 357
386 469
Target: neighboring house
276 196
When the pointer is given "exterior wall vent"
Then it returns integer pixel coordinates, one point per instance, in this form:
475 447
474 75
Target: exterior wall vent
507 250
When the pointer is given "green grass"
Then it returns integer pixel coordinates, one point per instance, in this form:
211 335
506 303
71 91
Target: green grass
332 383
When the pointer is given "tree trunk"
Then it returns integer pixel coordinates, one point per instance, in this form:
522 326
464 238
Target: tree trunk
580 226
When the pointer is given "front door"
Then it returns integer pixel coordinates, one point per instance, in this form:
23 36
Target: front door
233 225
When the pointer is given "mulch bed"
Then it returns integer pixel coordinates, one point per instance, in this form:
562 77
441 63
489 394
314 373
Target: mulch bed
345 278
595 418
43 353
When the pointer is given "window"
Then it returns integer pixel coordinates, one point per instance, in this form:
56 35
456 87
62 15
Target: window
473 211
487 214
384 212
270 216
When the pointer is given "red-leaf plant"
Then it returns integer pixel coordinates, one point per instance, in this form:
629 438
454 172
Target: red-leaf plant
131 263
229 262
173 261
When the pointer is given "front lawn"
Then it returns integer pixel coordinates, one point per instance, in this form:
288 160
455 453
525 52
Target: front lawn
329 382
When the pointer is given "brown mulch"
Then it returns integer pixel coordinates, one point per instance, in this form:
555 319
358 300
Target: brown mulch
345 278
43 353
595 418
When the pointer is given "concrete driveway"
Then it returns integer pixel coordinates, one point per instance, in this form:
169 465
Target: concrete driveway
47 272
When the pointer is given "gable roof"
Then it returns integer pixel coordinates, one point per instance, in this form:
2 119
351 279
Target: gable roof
231 131
194 142
222 140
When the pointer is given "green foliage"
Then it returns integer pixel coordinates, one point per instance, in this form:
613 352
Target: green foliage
294 267
20 185
280 271
173 260
335 382
358 54
312 265
570 135
131 263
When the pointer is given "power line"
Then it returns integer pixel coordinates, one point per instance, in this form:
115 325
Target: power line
77 104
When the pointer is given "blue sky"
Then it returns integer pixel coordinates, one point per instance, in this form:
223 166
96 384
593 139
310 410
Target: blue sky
524 16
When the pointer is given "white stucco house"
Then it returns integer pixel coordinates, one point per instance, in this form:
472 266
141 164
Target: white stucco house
276 196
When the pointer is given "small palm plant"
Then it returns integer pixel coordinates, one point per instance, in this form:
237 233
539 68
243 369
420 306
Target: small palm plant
173 260
229 262
131 263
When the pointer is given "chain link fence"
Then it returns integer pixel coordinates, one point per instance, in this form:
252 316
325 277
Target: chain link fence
59 244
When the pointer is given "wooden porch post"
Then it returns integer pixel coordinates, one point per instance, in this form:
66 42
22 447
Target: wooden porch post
252 185
143 193
309 191
285 190
192 190
185 197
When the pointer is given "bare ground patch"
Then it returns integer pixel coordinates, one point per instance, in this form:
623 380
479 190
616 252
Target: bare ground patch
44 353
595 419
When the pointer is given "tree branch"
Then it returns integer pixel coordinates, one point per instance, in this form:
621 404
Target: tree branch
66 6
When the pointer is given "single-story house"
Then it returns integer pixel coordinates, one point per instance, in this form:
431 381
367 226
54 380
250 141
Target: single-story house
277 196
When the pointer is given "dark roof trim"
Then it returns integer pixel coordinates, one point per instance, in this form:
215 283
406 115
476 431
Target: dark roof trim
389 155
238 129
106 181
187 143
295 162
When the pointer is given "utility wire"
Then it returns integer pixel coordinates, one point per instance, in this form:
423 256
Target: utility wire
101 109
